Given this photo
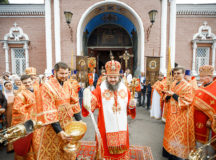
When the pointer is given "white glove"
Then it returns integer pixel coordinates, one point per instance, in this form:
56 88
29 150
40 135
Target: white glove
132 103
87 96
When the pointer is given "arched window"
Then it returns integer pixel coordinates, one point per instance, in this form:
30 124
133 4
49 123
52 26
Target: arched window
204 45
16 42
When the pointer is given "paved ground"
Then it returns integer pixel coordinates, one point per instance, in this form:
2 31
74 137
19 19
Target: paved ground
143 131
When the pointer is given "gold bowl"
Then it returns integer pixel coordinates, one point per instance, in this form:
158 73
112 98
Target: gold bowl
77 130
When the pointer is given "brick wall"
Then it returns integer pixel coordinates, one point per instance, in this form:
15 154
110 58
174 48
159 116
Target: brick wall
35 29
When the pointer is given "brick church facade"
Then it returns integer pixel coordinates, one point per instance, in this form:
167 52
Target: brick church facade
37 34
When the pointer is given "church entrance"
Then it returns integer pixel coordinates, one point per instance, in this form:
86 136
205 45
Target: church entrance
105 54
110 40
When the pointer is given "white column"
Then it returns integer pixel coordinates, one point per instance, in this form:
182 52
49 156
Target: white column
57 31
194 73
48 70
172 35
26 54
213 55
6 56
163 37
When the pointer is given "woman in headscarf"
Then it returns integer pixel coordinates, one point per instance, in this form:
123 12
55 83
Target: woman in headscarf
9 95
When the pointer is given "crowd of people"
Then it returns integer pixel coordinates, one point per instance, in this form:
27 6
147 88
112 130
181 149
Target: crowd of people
187 108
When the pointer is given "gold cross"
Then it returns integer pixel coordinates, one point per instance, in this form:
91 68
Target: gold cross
134 84
126 56
116 108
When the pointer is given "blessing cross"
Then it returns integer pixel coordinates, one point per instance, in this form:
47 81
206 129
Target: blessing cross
133 85
126 56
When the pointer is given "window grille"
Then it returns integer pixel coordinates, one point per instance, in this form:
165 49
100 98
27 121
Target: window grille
202 57
18 61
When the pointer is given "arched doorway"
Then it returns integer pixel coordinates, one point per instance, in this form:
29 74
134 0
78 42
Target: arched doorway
110 39
114 7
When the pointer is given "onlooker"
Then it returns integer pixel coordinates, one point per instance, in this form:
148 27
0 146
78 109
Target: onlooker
1 84
128 75
149 95
95 78
3 106
143 90
17 83
6 76
9 95
82 87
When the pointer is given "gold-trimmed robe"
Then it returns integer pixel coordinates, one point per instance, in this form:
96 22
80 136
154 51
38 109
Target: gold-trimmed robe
179 137
59 105
24 108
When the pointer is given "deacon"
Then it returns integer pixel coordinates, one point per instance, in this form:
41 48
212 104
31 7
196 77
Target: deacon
113 99
58 108
179 138
205 108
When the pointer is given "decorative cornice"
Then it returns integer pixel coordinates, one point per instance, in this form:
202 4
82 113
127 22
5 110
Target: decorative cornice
22 10
196 9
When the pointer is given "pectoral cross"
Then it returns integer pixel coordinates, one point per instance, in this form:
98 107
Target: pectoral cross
116 108
126 56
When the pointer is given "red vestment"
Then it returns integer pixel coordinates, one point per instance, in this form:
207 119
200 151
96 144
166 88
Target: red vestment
205 109
118 143
179 138
24 108
59 105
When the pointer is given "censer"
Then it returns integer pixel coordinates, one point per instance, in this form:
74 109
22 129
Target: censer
200 153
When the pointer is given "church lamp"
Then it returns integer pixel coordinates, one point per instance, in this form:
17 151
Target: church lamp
68 16
152 15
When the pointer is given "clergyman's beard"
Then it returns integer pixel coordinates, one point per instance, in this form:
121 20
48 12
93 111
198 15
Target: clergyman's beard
112 87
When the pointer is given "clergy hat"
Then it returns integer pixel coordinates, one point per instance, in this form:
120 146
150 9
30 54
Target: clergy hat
187 72
206 70
30 71
112 67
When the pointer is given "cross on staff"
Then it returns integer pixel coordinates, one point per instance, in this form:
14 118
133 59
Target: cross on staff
133 85
126 56
111 56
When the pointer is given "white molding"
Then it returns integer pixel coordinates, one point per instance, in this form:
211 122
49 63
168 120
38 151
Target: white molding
15 36
203 34
57 31
172 34
48 30
196 9
6 48
139 27
12 34
163 37
22 9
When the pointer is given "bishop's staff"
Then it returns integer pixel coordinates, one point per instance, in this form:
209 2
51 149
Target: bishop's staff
87 104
